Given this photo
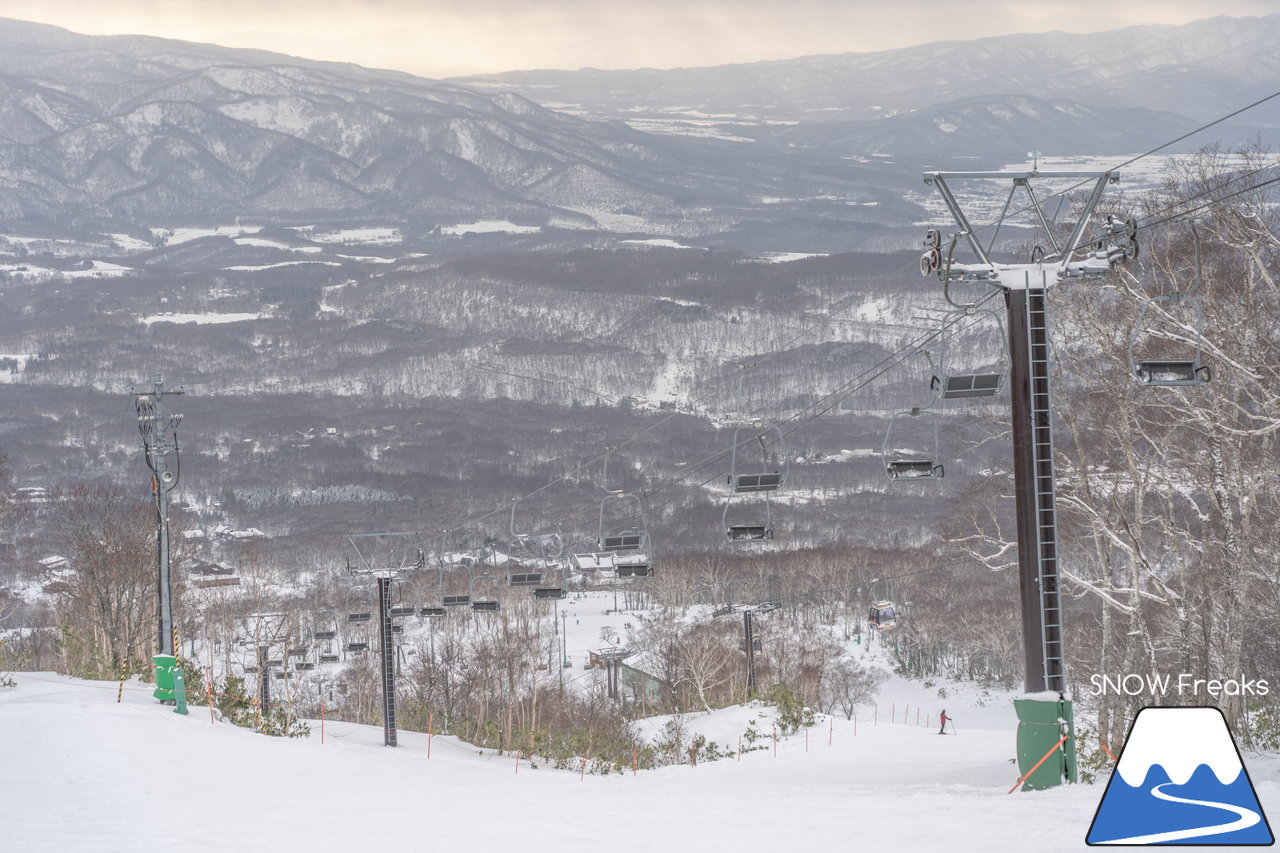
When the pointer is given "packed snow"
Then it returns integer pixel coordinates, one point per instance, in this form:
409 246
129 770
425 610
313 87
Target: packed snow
88 774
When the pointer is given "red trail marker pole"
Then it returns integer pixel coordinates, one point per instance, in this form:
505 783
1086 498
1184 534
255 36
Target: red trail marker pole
582 773
634 762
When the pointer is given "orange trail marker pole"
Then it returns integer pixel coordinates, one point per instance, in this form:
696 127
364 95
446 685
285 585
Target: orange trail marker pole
517 762
1114 760
208 689
1038 763
321 721
634 763
739 747
582 773
806 740
431 720
775 741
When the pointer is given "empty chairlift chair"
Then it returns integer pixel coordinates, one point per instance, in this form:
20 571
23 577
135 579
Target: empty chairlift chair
950 384
627 540
751 476
921 464
1180 369
483 605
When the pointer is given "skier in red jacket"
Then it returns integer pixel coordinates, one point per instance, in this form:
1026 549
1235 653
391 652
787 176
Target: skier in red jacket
943 719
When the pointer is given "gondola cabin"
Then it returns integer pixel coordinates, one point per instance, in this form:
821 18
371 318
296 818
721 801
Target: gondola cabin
882 616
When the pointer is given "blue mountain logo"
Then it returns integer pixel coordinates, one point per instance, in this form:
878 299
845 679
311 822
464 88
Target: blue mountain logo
1180 780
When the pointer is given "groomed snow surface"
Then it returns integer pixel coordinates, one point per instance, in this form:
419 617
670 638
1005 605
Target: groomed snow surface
82 773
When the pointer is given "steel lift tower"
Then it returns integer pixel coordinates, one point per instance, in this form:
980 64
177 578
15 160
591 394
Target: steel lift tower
387 610
160 442
1044 714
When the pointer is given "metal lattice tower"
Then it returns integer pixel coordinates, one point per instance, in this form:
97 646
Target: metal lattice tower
159 441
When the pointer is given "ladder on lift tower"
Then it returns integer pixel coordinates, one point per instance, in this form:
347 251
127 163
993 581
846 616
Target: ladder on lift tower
1046 526
388 662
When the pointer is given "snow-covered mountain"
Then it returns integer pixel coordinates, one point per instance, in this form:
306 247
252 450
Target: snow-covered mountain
149 130
1156 78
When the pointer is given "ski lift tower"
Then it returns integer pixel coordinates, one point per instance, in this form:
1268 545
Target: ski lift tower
372 565
159 442
748 596
1045 714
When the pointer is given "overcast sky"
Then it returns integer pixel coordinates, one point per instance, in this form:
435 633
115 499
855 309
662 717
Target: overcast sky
438 38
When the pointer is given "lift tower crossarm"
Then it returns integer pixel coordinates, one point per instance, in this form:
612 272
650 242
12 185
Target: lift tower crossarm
1020 179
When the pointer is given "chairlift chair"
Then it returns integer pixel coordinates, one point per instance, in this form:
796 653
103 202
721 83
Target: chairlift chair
432 611
1167 372
912 466
882 616
770 474
631 538
1182 370
959 386
482 605
749 477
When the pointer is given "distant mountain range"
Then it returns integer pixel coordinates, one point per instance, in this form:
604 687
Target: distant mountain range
138 131
134 129
1116 90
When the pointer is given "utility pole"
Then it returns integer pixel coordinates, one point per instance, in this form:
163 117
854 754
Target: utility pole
1025 288
159 441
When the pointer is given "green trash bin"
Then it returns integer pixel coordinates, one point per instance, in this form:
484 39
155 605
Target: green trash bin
165 666
1041 724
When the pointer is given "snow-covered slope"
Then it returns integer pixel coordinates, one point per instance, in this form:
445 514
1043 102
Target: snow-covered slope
82 773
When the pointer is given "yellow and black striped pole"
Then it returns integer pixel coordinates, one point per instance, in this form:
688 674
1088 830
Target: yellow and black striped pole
124 668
